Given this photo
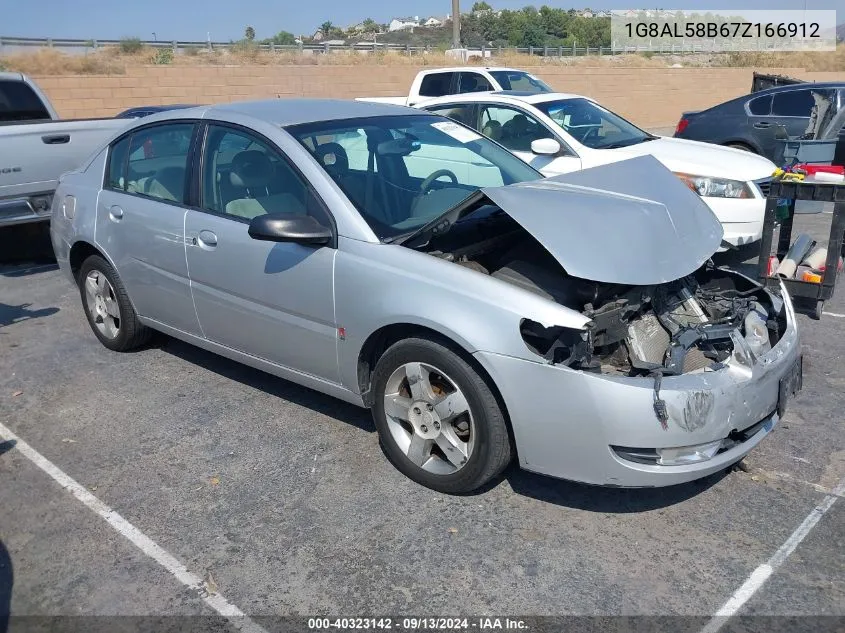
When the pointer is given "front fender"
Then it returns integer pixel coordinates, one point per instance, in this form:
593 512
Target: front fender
378 285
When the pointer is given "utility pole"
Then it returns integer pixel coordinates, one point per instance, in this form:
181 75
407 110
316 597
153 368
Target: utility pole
456 23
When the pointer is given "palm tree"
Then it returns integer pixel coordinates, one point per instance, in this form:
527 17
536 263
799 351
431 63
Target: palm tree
326 27
249 33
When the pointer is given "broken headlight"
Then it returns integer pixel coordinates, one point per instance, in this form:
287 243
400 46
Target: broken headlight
558 345
708 187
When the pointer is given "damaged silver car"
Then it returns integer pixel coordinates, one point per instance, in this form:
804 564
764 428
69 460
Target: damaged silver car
402 262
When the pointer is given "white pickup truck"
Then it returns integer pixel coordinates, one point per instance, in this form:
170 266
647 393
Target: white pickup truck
36 148
440 82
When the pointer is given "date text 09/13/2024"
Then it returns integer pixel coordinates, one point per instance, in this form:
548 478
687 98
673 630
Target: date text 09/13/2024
483 623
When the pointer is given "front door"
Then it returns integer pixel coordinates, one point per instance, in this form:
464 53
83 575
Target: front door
516 130
271 300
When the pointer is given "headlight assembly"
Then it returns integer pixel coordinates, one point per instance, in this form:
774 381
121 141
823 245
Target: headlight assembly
708 187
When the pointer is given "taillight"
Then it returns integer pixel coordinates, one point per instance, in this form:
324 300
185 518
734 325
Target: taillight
682 125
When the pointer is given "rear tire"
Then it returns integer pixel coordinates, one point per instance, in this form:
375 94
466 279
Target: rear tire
110 313
741 146
438 420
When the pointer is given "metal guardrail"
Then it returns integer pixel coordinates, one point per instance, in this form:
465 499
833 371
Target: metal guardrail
178 46
7 43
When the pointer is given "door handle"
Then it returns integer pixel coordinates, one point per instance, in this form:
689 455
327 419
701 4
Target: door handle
762 125
55 139
207 239
115 213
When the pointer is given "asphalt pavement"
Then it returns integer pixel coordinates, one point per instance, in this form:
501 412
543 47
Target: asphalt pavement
280 499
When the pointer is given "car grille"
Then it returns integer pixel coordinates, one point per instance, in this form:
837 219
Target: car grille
764 185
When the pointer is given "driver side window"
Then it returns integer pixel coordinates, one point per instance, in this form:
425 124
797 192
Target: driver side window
512 128
244 177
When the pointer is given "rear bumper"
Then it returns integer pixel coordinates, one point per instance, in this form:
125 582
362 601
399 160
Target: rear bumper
25 210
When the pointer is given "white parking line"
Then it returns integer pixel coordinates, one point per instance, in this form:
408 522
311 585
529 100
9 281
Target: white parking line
144 543
834 314
760 575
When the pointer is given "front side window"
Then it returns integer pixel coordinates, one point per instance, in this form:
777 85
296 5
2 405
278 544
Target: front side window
473 82
436 84
512 127
157 162
462 113
521 81
244 176
592 125
400 172
793 103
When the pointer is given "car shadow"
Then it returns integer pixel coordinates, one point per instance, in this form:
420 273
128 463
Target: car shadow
16 313
603 499
273 385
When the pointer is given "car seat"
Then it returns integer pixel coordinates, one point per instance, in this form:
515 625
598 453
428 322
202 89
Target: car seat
253 173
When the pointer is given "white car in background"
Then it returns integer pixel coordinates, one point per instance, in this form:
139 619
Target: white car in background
558 133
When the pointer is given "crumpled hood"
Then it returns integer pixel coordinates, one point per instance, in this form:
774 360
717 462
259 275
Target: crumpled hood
701 159
631 222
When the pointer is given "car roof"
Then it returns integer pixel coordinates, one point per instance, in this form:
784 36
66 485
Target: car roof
801 86
284 112
504 96
476 69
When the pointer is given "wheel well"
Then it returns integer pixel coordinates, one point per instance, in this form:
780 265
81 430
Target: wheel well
380 340
79 252
740 144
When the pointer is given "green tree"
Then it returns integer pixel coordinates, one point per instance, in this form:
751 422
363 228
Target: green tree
370 26
326 27
282 38
249 33
481 7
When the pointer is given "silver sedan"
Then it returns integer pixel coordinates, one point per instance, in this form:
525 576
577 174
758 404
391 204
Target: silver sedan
400 261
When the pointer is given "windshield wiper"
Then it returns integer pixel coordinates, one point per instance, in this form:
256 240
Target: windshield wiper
629 143
434 226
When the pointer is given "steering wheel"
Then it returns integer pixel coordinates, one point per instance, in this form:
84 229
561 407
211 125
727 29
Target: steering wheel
426 184
592 132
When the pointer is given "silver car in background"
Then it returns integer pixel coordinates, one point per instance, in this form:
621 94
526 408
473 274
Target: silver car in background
400 261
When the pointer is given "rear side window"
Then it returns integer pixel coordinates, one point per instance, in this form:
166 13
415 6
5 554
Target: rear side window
18 102
152 162
761 106
436 85
793 103
473 82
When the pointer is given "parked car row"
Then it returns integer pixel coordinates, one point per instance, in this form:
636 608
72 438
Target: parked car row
402 261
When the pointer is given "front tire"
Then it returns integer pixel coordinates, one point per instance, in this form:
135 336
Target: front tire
438 420
110 313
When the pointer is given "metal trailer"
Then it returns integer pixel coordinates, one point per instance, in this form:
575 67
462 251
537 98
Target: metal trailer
808 297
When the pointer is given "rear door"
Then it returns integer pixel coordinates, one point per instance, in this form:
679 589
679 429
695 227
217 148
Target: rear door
792 108
274 301
140 220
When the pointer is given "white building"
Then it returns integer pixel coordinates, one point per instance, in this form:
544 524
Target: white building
433 22
400 24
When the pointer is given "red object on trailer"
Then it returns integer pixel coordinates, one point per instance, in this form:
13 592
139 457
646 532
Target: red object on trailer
811 170
682 125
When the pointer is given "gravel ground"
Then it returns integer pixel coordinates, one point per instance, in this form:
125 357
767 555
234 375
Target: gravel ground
281 499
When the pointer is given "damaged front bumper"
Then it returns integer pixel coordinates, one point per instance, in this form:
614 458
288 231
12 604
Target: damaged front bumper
602 429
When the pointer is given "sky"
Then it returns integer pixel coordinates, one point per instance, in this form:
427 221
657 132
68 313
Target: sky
224 20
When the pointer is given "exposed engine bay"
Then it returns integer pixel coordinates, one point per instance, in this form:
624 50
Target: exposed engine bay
694 324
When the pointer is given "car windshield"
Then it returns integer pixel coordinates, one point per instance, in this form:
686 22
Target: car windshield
401 172
592 125
519 80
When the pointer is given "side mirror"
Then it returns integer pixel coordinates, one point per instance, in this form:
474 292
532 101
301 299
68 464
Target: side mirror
545 146
302 229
